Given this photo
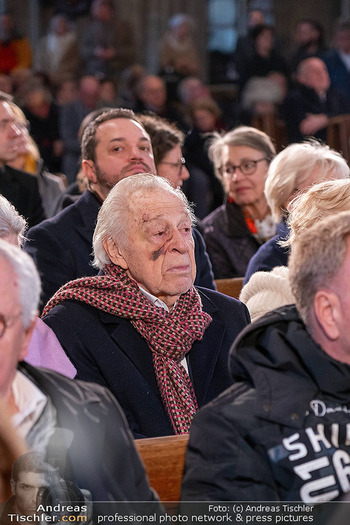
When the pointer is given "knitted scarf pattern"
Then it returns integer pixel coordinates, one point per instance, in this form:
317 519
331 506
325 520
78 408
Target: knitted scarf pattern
169 335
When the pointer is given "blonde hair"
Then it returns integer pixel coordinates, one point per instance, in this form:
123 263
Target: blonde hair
321 200
292 167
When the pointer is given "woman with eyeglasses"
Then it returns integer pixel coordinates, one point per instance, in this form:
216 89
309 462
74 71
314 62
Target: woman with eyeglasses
234 231
167 141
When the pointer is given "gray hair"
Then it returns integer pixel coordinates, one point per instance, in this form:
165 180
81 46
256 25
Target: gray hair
28 279
317 255
241 136
292 167
113 215
11 222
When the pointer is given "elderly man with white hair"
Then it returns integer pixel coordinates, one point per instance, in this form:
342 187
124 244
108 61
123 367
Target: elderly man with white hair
141 328
77 426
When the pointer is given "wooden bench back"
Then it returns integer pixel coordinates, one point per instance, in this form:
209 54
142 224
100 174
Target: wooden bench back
231 287
164 459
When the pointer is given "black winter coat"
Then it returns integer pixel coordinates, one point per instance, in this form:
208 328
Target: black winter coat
281 432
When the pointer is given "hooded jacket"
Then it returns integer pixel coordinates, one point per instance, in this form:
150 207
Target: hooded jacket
282 431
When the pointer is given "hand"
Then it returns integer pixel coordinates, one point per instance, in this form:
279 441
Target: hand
313 123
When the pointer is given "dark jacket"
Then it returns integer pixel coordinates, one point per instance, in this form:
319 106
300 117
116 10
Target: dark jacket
22 190
270 254
338 73
62 247
108 350
302 100
281 431
229 242
100 455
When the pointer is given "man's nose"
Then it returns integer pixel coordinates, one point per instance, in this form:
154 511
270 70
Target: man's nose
135 152
178 242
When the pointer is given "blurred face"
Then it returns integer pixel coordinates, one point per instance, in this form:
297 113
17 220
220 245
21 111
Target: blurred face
14 342
159 254
264 42
26 490
342 40
204 120
123 149
172 167
314 74
9 134
153 93
306 33
245 190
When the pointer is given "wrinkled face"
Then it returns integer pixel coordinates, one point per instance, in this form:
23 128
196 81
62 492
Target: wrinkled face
159 253
26 490
245 190
172 168
123 149
315 75
9 134
14 342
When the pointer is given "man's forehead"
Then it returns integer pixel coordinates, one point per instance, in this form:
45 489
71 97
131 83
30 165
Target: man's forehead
122 128
34 478
156 205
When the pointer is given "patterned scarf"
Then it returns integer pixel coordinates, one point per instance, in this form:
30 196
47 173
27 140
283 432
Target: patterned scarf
169 335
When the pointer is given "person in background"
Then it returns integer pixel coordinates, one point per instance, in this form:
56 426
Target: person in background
19 187
203 187
141 328
309 40
234 231
178 52
71 116
293 171
15 49
310 104
337 60
57 53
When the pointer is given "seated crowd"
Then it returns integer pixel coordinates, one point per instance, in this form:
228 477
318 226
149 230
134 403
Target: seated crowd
111 325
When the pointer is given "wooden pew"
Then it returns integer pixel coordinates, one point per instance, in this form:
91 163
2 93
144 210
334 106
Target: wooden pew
231 287
164 459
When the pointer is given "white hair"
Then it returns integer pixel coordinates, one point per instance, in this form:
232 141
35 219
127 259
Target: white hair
112 220
292 167
11 222
28 279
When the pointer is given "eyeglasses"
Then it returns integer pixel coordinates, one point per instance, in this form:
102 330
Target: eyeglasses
247 167
6 322
179 165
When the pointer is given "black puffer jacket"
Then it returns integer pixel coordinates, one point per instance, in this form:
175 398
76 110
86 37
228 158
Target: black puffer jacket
282 431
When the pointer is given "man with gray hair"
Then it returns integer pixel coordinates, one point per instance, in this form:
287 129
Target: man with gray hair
142 329
77 426
281 433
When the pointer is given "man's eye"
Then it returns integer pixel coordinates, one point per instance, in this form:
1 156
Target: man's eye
145 148
117 148
159 234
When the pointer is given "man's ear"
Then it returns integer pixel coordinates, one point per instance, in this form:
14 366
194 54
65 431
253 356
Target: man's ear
88 167
327 310
115 254
26 340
